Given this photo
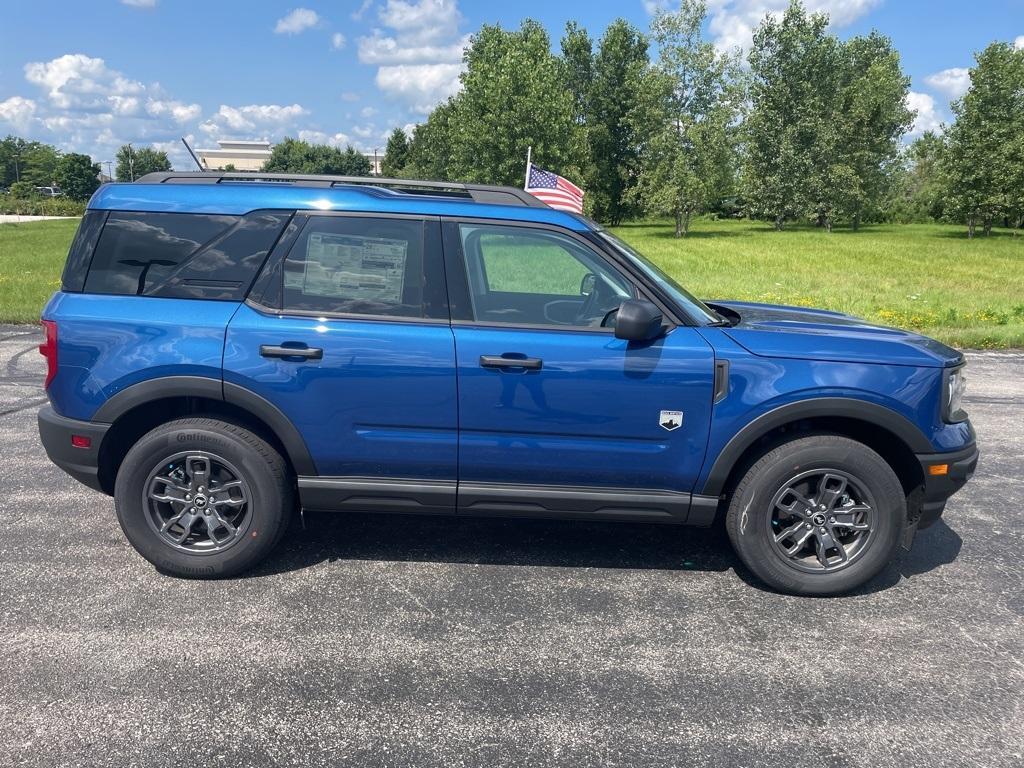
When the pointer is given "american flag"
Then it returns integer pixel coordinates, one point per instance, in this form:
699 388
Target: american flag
554 190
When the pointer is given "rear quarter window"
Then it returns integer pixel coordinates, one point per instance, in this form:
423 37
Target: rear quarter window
182 255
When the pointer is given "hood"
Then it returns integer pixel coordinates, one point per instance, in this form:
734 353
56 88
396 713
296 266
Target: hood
769 330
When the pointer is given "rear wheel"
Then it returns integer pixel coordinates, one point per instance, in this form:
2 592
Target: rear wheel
203 498
817 516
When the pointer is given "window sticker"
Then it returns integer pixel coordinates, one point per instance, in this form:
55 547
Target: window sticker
353 267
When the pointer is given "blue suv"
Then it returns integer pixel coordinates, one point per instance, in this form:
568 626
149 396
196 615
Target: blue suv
228 348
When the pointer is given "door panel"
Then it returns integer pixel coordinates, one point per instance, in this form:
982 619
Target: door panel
589 416
379 403
354 346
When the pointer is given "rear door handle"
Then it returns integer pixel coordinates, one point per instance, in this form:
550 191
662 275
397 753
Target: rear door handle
500 361
306 353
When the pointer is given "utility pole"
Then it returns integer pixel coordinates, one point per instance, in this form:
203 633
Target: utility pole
110 170
131 163
376 168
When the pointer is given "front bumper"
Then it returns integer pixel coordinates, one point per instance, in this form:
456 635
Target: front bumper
960 465
55 432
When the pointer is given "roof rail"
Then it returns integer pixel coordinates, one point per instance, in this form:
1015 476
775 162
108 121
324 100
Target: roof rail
479 193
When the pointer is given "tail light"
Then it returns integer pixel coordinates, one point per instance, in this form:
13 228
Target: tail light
48 349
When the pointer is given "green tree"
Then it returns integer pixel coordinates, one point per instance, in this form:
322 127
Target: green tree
920 194
578 69
513 97
985 158
24 190
792 77
862 139
618 69
77 176
294 156
430 149
29 161
135 162
396 153
684 108
822 137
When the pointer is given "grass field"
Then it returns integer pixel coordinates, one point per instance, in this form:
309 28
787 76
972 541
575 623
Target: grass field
923 277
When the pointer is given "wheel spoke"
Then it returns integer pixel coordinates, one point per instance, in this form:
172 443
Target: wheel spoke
793 530
798 543
186 521
830 490
163 489
172 520
852 517
198 470
800 506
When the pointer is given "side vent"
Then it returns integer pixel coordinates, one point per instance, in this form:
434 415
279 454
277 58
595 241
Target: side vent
721 380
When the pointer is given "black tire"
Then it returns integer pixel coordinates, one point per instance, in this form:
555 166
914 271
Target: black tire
258 511
812 469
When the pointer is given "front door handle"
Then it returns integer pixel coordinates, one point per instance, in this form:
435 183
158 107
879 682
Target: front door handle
501 361
306 353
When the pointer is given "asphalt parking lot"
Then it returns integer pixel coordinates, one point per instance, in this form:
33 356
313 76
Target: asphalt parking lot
379 640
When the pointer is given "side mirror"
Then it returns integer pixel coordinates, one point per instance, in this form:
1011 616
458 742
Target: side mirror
587 284
638 320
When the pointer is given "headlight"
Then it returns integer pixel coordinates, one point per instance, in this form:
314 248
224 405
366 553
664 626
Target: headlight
953 399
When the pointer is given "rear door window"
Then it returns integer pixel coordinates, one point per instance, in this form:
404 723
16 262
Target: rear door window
377 266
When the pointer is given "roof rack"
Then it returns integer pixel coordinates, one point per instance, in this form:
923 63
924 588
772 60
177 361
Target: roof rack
479 193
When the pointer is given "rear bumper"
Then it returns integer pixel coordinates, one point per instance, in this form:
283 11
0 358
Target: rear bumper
55 433
938 488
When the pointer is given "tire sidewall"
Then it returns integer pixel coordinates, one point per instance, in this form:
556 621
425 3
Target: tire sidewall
266 503
750 530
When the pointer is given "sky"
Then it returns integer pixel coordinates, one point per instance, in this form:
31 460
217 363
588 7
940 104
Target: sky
89 77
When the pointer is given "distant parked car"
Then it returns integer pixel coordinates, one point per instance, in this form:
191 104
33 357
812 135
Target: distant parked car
49 192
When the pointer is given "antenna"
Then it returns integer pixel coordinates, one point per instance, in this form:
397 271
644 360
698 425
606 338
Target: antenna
198 164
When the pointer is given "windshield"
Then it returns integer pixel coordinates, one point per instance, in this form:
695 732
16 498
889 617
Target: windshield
693 306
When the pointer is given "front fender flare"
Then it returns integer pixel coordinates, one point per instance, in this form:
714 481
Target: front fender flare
844 407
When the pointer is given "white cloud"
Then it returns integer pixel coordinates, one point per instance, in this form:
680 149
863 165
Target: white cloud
420 59
271 119
357 15
422 86
733 22
928 118
953 82
176 110
425 21
1019 42
337 41
17 112
349 96
299 20
319 137
378 49
77 81
368 112
653 6
139 3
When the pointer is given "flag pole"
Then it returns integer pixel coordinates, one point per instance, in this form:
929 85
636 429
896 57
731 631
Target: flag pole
529 154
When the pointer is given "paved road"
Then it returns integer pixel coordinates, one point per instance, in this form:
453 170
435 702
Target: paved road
376 640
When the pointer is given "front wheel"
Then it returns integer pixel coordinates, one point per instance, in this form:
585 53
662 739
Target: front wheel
818 515
203 498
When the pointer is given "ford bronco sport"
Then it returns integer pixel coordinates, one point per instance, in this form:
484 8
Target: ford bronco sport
226 348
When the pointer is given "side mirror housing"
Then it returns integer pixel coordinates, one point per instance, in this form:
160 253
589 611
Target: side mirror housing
638 320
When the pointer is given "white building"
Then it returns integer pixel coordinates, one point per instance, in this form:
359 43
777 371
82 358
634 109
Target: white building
251 155
243 155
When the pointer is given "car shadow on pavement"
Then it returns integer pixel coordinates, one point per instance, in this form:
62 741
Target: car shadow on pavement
331 537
